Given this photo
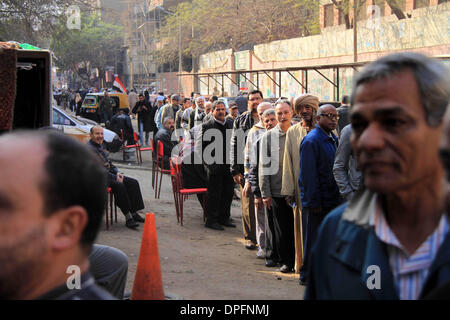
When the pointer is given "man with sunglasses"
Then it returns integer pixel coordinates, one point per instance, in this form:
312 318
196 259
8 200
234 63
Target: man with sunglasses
318 190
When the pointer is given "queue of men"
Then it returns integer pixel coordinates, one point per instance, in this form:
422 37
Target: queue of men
359 211
343 202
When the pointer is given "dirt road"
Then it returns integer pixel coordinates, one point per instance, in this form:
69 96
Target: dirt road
196 262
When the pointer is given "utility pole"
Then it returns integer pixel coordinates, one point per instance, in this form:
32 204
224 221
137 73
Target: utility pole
154 43
194 67
355 32
130 46
180 67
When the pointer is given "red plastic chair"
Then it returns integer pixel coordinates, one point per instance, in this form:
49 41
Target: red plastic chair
159 169
109 208
181 192
135 145
152 147
175 189
145 149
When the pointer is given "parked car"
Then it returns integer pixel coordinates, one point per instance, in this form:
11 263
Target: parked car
80 128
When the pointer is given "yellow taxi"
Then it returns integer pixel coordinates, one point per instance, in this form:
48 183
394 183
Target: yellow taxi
92 101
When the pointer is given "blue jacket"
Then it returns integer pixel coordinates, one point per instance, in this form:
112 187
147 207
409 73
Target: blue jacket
347 245
316 181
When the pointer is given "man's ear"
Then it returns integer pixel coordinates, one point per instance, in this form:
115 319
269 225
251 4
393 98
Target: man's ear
66 227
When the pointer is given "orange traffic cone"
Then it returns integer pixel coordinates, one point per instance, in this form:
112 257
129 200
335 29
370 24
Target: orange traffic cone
148 281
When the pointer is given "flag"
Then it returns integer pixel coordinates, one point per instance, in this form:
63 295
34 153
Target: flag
118 86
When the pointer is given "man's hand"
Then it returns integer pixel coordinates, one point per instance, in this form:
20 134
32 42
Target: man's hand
119 177
258 203
238 179
267 202
289 199
247 189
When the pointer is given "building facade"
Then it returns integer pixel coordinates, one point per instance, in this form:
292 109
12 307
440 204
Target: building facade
424 28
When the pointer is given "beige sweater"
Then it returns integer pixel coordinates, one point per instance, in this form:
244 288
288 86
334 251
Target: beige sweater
291 161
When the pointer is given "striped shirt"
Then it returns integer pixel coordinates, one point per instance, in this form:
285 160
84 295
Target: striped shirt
410 271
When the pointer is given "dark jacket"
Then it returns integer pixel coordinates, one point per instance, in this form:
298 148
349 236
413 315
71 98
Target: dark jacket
242 124
122 122
106 105
178 117
104 160
219 166
316 181
347 245
242 104
165 136
151 116
144 116
191 119
343 117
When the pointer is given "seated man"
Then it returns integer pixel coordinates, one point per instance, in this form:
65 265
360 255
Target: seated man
192 170
122 121
165 136
126 190
53 197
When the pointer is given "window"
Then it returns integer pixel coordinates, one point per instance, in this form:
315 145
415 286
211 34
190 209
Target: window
421 3
91 101
329 15
59 119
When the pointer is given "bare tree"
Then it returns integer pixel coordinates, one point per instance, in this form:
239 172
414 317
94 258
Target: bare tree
222 24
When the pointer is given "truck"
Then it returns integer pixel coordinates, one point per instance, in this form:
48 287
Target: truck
26 94
25 88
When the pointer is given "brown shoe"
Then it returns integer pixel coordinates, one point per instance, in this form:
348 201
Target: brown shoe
250 245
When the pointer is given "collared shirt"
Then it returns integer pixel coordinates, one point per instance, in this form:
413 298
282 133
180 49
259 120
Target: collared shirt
410 271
